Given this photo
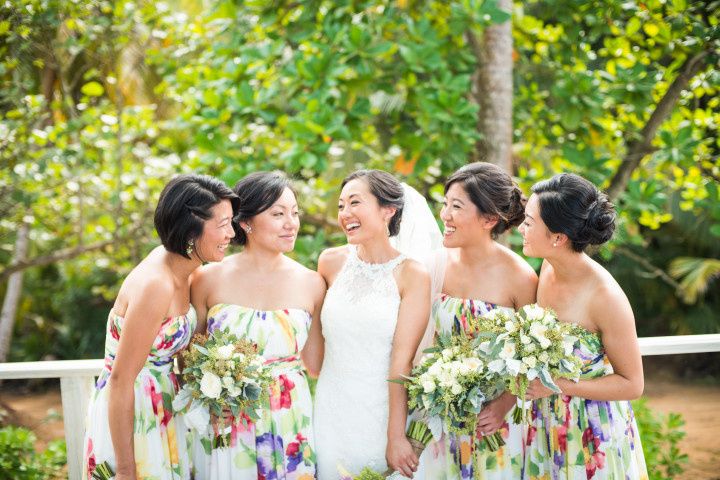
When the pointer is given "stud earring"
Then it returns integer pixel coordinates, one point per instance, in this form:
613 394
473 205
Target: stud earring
248 229
554 244
189 249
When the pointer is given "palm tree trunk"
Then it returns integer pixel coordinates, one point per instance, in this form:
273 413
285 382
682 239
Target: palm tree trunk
493 91
14 290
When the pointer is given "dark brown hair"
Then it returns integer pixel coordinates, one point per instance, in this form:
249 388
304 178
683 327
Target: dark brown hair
184 206
493 192
571 205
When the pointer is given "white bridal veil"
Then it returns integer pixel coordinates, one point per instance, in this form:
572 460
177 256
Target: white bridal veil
420 239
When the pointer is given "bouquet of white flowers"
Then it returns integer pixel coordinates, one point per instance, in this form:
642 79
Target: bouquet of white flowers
221 373
529 344
449 387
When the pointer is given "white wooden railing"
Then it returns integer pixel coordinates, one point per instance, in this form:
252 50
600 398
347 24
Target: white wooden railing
77 378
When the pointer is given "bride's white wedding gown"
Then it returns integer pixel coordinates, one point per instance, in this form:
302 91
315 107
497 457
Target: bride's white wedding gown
351 399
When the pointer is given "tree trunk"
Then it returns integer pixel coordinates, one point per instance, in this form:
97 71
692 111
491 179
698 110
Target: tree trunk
493 91
12 295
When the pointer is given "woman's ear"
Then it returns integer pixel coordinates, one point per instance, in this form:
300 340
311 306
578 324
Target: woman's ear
559 239
389 213
488 222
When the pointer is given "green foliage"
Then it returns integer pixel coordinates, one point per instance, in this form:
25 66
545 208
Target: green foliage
305 86
101 102
20 461
661 436
696 275
591 73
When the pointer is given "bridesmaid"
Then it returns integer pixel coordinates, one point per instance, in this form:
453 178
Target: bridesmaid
589 430
264 296
130 421
481 202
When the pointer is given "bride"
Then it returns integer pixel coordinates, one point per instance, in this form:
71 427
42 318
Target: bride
374 316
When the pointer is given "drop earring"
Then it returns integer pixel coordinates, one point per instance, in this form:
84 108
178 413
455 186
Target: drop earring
189 249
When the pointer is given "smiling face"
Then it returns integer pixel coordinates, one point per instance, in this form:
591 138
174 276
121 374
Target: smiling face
537 239
360 215
462 220
216 234
277 227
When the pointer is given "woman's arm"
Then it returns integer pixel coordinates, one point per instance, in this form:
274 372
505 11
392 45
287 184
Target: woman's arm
413 316
141 323
611 312
314 350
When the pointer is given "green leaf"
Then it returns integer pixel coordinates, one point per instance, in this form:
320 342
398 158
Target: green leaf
651 29
633 26
92 89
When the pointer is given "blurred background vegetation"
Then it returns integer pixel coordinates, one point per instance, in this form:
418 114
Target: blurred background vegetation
101 102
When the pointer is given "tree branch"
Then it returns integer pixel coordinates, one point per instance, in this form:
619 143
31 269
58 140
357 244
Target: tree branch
640 146
64 254
649 267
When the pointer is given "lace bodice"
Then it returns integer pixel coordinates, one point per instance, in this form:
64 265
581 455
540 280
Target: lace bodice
351 404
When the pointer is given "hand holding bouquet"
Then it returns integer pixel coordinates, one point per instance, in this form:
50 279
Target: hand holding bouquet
530 344
221 373
449 388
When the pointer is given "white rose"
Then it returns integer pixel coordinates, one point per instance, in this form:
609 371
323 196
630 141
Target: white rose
569 345
496 366
227 382
530 348
508 350
225 352
523 368
456 389
513 366
447 379
525 340
435 369
473 363
544 357
510 326
210 385
428 386
530 361
538 330
534 311
544 342
234 391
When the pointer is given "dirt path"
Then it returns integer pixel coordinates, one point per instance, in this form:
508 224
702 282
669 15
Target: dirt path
700 408
40 412
698 404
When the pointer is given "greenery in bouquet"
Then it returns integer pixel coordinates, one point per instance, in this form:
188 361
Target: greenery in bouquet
449 387
528 344
103 472
366 474
221 373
